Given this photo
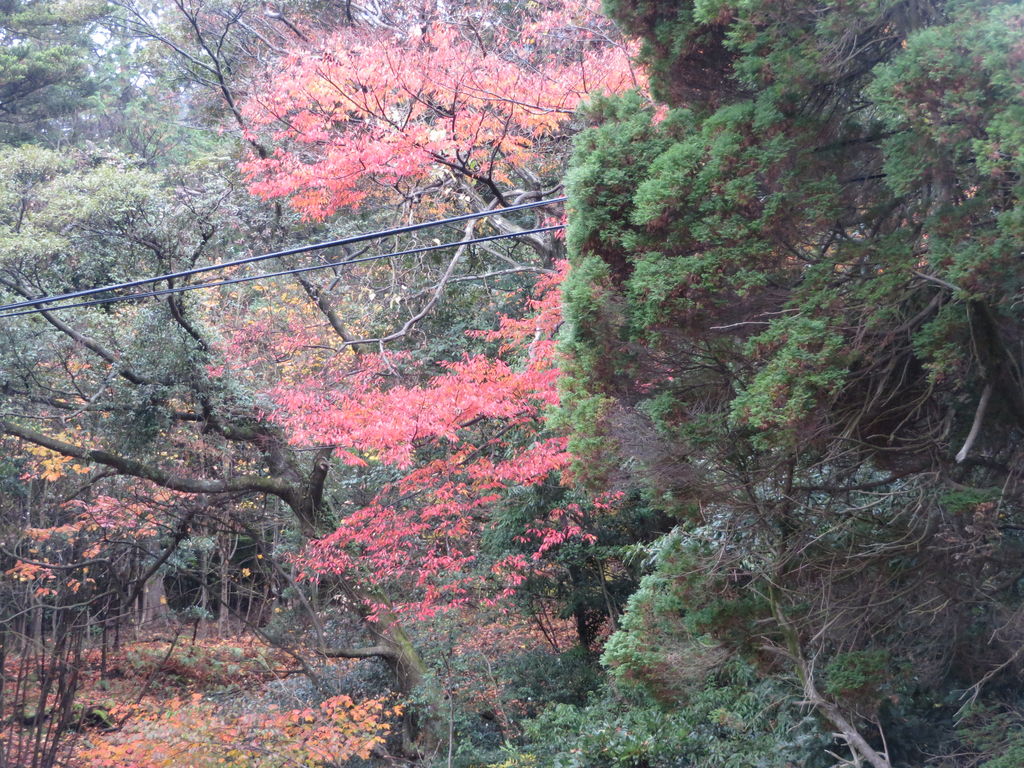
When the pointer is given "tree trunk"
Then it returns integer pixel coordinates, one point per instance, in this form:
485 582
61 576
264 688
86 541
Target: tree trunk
422 728
154 601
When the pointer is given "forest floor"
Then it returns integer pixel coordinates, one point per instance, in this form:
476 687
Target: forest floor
195 700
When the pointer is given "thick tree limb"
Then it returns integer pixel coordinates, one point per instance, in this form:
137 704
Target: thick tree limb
979 417
854 740
324 305
91 344
828 709
162 477
369 652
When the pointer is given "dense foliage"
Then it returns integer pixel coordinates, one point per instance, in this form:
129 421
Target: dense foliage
729 475
794 320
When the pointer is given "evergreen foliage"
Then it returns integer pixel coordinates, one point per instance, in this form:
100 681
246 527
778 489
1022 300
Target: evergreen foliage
793 317
44 65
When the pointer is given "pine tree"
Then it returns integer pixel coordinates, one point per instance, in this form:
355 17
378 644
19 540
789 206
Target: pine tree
45 50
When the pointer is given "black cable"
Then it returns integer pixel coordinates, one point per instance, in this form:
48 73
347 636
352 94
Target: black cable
277 254
283 273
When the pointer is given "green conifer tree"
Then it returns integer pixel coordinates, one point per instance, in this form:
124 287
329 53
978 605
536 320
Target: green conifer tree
795 321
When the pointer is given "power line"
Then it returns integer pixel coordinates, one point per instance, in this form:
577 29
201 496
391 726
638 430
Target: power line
278 254
250 278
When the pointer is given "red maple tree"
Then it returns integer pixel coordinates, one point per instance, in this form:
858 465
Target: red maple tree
478 94
455 441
